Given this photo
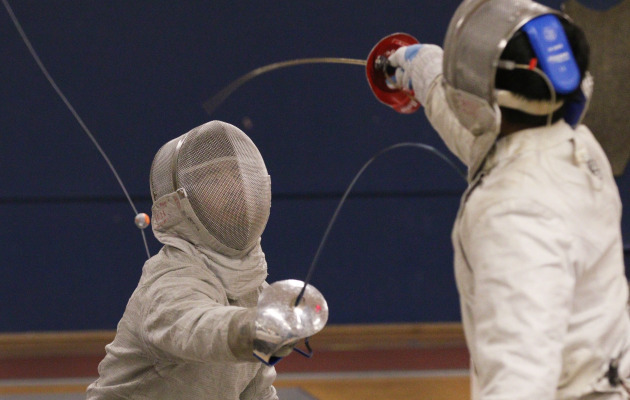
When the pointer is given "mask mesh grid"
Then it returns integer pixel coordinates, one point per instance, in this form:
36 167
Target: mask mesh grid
225 179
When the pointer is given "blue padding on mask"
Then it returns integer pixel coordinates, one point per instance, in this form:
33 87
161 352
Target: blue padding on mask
555 57
574 110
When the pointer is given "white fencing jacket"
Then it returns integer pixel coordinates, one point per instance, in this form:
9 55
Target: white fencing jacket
538 260
172 341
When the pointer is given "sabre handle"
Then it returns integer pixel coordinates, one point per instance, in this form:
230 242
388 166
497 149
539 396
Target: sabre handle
383 65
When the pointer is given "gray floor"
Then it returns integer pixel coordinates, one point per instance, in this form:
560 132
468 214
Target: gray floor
68 396
283 394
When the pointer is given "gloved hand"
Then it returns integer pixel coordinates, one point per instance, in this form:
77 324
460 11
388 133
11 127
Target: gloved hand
381 76
280 323
417 67
400 61
272 329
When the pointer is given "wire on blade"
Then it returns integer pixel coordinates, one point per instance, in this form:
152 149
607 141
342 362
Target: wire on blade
139 216
422 146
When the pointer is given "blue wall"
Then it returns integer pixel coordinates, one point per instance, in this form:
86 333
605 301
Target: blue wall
138 73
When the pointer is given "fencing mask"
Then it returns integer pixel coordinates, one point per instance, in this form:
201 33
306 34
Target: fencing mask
224 178
476 37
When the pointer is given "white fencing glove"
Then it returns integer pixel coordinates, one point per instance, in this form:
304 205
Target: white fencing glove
416 67
400 60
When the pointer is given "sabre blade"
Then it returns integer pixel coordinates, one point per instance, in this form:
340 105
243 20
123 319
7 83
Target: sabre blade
215 101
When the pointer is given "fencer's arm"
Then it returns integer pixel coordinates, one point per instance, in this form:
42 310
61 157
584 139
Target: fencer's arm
523 297
183 319
457 138
420 68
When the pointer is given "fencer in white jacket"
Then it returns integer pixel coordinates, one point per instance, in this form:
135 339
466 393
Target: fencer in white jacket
192 326
538 251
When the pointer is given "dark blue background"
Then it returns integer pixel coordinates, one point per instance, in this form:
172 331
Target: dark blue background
138 73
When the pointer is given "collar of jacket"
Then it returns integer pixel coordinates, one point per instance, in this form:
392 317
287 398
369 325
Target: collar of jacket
534 139
175 224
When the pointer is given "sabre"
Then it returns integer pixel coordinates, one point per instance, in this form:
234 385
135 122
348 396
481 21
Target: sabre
420 146
401 102
142 220
215 101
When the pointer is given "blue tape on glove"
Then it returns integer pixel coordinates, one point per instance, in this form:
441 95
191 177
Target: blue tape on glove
411 51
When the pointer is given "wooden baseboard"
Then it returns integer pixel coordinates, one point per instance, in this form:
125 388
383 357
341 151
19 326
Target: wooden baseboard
333 337
387 336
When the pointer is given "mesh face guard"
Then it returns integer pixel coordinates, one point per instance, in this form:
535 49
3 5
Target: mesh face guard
225 179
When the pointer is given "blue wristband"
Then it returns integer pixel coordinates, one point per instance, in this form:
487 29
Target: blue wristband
411 51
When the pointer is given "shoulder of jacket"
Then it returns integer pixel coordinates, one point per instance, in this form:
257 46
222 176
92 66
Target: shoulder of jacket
175 263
